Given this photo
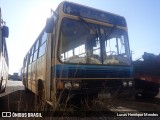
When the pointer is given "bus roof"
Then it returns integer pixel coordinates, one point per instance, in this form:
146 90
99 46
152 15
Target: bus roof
92 13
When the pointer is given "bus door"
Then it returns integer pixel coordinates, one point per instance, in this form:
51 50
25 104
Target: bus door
51 28
50 66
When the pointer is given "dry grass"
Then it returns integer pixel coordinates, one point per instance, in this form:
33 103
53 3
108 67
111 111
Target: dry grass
72 107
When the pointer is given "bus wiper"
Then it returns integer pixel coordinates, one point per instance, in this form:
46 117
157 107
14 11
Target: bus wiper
89 26
110 32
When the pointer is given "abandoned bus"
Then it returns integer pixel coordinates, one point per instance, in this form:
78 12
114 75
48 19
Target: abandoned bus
3 55
81 50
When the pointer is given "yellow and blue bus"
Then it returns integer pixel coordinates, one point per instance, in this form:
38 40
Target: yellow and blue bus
81 50
4 62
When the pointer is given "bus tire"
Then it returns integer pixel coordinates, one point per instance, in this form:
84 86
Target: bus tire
26 89
40 90
4 89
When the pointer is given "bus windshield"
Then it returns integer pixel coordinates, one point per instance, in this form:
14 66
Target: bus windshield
87 43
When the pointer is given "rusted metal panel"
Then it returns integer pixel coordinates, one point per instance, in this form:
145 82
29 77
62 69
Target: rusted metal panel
148 69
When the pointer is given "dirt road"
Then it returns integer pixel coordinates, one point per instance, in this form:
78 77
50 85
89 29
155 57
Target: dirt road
15 98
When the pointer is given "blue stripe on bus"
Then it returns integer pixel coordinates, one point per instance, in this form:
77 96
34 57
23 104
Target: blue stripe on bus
92 71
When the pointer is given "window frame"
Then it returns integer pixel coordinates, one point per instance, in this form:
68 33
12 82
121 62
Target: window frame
31 54
36 50
42 43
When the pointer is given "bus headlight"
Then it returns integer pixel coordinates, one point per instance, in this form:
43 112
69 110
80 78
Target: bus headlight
68 85
130 83
75 85
124 83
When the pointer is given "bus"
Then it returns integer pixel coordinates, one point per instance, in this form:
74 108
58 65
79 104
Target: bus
4 32
80 51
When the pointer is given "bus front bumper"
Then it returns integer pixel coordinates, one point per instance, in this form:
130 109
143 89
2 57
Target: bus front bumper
118 87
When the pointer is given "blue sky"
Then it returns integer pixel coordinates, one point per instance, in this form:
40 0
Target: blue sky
26 18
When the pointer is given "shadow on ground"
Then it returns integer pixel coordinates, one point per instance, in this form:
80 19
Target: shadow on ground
17 101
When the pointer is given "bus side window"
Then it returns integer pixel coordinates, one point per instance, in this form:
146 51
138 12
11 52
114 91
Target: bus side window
4 51
35 56
28 58
37 45
42 45
42 50
31 56
24 62
44 38
36 50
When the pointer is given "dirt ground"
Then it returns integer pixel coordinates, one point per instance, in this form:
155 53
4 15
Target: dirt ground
16 99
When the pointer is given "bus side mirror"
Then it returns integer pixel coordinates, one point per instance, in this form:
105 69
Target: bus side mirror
49 25
5 31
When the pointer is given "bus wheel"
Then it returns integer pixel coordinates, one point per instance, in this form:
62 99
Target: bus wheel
4 89
40 90
26 89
